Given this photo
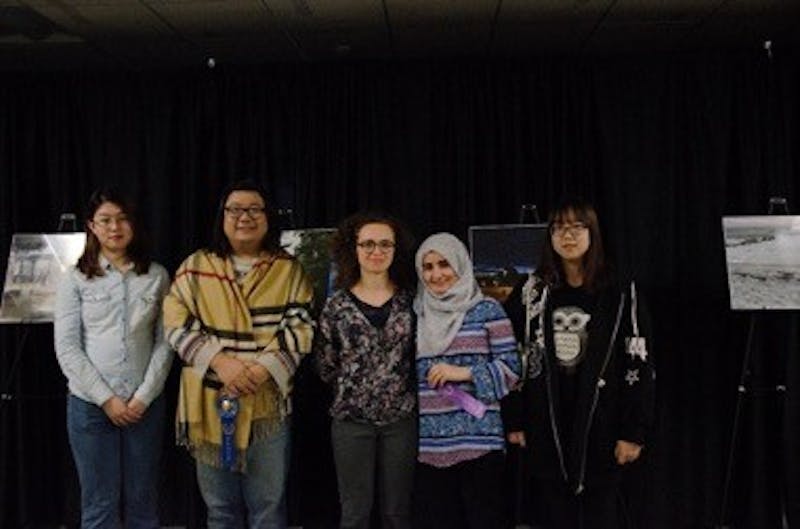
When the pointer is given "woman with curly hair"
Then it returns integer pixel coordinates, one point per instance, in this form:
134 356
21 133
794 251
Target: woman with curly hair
365 352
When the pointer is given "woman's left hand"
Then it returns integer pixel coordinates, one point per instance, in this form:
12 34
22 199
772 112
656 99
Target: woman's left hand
137 408
258 373
439 374
248 380
627 452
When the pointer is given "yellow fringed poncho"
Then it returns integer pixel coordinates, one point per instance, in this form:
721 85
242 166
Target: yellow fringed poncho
264 318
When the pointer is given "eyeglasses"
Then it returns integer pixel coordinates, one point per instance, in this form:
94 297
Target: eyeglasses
106 222
575 229
254 212
369 246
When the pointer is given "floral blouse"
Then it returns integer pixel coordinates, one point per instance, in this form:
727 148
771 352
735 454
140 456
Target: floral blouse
370 369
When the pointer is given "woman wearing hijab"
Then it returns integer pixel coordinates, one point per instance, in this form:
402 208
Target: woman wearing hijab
466 363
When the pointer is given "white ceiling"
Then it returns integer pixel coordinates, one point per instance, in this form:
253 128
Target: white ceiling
163 33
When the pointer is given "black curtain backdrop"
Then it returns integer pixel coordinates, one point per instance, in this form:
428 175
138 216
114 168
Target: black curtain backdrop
664 145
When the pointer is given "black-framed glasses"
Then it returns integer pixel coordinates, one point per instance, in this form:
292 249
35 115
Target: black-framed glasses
106 222
574 229
369 246
254 212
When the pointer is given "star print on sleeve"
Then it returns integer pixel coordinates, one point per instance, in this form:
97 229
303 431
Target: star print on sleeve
632 377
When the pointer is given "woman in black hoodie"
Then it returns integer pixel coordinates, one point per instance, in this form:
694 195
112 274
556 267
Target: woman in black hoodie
586 403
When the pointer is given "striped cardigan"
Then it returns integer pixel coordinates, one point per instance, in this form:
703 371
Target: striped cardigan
485 343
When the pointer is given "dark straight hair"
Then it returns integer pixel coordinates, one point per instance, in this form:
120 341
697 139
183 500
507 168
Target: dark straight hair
137 250
348 271
595 268
220 244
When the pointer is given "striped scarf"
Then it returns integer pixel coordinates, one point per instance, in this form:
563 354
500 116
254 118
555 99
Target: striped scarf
264 318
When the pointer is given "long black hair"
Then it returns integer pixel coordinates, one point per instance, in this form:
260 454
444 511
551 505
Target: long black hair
137 251
220 244
594 266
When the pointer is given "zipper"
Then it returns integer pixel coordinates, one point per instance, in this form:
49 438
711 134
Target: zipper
600 384
548 377
554 426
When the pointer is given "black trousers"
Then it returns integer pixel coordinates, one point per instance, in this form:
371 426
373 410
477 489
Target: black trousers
468 495
367 456
559 508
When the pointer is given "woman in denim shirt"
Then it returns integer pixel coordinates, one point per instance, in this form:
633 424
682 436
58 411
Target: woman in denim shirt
365 352
110 345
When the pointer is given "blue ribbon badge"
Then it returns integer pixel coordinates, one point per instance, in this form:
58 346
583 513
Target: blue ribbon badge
228 408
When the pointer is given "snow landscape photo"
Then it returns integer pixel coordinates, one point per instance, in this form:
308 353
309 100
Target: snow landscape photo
763 256
36 264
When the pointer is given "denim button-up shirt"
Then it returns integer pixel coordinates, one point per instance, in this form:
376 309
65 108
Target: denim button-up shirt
109 337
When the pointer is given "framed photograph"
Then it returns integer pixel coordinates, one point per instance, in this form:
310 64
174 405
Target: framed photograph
763 259
501 253
312 248
36 264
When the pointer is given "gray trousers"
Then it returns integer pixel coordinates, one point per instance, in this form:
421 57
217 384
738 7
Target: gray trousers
367 456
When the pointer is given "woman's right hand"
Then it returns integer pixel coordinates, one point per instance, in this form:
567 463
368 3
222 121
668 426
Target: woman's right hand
442 373
229 371
117 411
516 438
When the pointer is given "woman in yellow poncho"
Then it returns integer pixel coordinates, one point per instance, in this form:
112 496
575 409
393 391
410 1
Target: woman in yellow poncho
238 316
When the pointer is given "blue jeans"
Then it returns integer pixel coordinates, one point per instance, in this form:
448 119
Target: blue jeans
116 465
259 494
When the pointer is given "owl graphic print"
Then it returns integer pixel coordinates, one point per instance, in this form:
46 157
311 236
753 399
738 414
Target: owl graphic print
570 335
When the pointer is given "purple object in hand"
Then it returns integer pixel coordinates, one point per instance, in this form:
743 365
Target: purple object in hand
467 402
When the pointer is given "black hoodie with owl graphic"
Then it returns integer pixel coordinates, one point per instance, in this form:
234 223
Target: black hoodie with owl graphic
589 379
